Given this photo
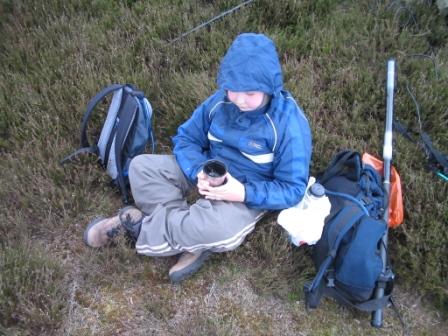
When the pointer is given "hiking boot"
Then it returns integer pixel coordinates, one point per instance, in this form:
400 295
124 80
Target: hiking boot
187 265
101 231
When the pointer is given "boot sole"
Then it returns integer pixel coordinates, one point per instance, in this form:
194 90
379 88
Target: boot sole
182 274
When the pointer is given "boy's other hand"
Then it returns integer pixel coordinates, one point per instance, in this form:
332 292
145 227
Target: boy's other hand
232 191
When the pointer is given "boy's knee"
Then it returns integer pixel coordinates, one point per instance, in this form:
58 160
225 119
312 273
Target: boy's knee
134 167
135 164
143 165
138 166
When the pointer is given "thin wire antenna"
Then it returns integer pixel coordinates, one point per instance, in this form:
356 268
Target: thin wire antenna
210 21
417 107
433 60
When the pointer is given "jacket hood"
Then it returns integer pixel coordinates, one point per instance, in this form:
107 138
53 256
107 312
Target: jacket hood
251 64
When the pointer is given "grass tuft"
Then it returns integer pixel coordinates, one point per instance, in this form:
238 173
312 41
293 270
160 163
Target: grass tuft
33 293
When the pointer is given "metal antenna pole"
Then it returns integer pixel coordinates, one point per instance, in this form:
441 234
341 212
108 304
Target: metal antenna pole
377 315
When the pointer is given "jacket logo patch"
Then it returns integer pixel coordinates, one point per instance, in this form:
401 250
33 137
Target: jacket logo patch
254 144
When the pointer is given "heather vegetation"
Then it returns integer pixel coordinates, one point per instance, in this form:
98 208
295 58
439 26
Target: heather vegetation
55 55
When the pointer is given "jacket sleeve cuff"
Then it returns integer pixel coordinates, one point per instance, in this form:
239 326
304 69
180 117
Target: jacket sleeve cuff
194 174
248 194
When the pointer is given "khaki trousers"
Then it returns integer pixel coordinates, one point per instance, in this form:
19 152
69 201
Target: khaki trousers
171 225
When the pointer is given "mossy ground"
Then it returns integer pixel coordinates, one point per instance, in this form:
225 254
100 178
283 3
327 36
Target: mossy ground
55 55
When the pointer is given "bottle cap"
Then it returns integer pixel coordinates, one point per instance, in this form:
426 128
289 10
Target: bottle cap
317 190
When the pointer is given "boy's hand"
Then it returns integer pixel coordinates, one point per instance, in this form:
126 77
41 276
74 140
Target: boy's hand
233 190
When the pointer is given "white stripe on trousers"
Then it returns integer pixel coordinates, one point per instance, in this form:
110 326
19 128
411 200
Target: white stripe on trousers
227 244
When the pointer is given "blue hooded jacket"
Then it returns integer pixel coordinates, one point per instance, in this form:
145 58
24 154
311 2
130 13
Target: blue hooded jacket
268 149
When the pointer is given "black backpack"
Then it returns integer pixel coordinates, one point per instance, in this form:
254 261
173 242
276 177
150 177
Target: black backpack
347 257
125 133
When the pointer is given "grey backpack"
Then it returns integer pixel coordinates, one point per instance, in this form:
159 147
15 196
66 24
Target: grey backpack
125 133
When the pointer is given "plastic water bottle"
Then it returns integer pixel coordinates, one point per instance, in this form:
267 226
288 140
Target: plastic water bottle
315 192
305 221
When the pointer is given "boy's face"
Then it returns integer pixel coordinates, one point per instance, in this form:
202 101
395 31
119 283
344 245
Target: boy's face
246 101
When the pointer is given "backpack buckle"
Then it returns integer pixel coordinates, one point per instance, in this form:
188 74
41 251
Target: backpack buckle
386 276
330 278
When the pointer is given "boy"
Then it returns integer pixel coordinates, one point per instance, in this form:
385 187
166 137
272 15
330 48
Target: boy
256 129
